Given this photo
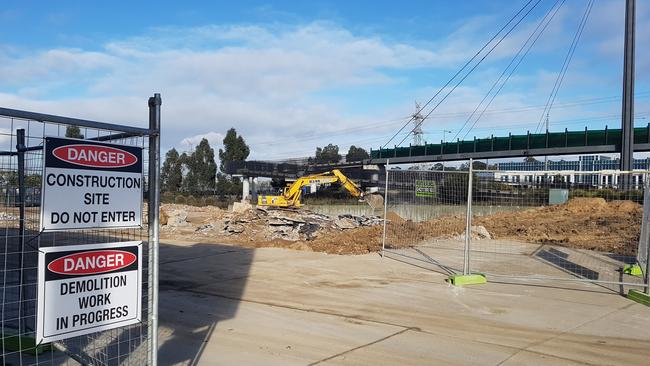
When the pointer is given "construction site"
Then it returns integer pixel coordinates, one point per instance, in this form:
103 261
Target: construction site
482 228
582 223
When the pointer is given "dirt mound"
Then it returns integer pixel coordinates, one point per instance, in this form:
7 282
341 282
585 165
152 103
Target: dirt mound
582 204
626 207
394 217
587 223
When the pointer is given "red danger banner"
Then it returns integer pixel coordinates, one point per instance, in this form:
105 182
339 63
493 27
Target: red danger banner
95 156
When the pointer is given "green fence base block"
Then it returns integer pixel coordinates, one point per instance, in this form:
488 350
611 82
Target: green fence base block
639 296
27 345
633 270
470 279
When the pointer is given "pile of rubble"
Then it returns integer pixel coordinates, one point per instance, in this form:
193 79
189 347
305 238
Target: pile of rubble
248 223
292 225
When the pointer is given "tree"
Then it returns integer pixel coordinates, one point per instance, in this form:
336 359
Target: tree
438 167
479 165
171 174
530 159
356 154
201 168
73 132
234 149
328 154
228 187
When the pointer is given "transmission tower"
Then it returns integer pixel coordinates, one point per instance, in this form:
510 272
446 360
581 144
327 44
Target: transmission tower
418 134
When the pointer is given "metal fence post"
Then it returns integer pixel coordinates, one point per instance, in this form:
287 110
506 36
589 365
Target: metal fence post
20 151
468 220
383 240
154 210
645 239
646 280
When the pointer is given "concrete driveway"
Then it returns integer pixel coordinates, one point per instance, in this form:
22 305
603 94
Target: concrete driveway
224 305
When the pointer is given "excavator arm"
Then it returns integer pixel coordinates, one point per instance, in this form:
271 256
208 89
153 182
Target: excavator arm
292 194
348 184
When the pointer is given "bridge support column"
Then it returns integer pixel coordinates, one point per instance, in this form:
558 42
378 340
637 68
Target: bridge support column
246 191
254 190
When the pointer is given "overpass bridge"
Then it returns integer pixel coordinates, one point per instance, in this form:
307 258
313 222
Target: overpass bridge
602 141
541 144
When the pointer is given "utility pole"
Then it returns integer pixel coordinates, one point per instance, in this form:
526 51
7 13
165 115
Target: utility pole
417 126
444 133
546 156
627 145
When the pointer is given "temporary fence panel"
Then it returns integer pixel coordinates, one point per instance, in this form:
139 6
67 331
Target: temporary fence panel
643 253
21 166
420 208
523 225
557 225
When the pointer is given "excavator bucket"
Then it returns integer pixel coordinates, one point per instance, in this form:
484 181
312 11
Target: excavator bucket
375 201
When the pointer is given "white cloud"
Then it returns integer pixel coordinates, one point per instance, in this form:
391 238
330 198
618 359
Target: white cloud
214 138
259 80
265 81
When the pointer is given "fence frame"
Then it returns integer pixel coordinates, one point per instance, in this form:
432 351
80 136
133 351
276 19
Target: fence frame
153 199
467 260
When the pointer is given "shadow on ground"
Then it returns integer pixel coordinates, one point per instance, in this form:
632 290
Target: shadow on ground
187 315
183 269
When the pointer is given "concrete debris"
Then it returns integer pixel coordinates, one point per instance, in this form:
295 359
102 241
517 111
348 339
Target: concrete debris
309 230
345 223
177 218
481 231
240 207
234 228
477 232
204 228
248 223
7 217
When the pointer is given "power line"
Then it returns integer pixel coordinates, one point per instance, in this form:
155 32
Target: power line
528 45
390 122
477 64
610 117
464 66
574 103
565 65
575 121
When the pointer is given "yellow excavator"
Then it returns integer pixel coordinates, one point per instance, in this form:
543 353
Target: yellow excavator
293 192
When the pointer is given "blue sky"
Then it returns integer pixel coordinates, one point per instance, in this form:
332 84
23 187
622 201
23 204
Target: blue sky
291 76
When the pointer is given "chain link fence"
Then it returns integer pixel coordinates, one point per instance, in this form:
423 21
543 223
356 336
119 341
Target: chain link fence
21 166
552 226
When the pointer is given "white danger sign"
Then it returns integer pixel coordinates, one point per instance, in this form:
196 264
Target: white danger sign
89 185
88 288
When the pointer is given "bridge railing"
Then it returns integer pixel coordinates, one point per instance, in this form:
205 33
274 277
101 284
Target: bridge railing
529 141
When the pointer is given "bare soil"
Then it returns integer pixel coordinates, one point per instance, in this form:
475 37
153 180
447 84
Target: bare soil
586 223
